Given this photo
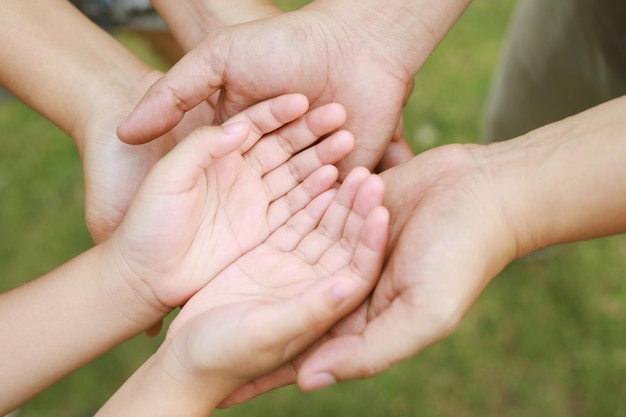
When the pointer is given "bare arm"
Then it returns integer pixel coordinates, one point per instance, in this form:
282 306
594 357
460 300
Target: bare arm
191 20
459 215
311 272
57 323
61 64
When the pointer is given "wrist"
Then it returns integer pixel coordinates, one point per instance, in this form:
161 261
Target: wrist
204 387
113 98
566 181
192 20
153 391
405 32
129 298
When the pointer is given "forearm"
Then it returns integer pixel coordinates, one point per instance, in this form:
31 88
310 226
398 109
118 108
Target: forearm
154 390
410 30
191 20
59 63
567 181
53 325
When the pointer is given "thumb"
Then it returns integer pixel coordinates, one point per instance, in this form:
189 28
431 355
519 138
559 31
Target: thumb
188 83
389 339
180 168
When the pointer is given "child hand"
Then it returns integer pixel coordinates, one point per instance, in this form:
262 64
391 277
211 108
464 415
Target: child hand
221 192
276 300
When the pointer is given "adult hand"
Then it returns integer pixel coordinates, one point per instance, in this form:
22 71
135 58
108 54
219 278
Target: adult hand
335 244
309 51
220 193
114 170
448 239
313 270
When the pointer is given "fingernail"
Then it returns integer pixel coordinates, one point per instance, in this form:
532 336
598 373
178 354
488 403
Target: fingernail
319 381
234 128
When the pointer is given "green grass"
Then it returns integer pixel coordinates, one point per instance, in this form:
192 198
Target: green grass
545 338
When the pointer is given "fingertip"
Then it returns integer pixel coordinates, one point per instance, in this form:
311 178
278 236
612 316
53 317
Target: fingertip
317 382
151 118
342 142
357 174
376 230
327 173
290 106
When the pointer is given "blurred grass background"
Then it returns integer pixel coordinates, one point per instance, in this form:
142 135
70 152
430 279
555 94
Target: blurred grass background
545 339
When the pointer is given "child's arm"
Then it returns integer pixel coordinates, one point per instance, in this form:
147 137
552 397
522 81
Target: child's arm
187 223
60 63
267 307
191 20
53 325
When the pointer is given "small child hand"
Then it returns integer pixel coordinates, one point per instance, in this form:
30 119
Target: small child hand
221 192
276 300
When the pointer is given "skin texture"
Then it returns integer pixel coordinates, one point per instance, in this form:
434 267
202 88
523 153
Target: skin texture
459 214
316 268
187 222
329 51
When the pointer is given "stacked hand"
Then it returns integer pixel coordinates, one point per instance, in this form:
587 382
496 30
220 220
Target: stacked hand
448 238
269 253
232 187
304 52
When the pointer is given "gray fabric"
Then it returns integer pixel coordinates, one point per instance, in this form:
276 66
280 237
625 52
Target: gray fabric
118 14
561 57
606 21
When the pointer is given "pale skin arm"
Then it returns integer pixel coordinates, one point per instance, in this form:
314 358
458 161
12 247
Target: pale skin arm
83 80
61 64
362 54
306 276
55 324
59 322
191 20
562 183
459 215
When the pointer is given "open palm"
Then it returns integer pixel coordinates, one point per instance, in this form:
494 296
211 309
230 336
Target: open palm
277 299
221 194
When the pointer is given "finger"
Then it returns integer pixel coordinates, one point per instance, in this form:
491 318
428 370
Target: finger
298 321
287 237
369 353
281 145
398 151
267 116
165 103
280 210
285 375
369 196
290 174
181 167
352 356
332 224
155 329
369 255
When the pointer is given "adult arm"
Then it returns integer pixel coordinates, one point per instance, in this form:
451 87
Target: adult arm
362 54
61 64
191 20
83 80
311 272
176 237
459 215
